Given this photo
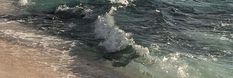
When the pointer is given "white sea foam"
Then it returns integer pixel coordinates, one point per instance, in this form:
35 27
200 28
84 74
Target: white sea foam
142 51
116 39
125 2
62 8
23 2
170 66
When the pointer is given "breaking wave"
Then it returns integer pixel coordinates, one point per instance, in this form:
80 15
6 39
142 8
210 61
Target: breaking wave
171 39
115 39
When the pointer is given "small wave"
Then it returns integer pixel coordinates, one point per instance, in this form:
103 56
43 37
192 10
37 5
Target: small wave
63 11
116 39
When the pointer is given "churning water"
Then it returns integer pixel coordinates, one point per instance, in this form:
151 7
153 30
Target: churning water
146 38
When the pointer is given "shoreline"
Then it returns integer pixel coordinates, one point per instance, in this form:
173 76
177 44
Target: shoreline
29 53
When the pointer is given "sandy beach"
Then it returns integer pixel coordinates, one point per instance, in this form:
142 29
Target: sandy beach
16 62
26 52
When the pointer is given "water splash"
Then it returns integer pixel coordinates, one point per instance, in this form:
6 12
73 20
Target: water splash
23 2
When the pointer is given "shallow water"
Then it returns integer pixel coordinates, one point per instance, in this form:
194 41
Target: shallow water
146 38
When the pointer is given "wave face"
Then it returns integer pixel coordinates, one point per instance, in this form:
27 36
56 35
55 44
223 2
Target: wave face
115 38
151 38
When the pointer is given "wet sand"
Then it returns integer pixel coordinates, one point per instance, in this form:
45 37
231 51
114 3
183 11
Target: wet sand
16 62
7 7
26 52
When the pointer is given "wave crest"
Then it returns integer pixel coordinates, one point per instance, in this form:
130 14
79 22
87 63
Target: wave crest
116 39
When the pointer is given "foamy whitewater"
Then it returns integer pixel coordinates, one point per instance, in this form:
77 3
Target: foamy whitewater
145 38
23 2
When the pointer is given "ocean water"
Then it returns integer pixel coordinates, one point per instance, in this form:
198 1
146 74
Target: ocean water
145 38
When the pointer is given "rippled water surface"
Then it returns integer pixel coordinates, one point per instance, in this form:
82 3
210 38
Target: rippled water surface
145 38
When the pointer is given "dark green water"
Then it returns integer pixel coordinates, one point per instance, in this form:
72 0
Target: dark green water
150 38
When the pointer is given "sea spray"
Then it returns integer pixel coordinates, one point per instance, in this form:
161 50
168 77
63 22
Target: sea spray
115 39
118 42
23 2
180 28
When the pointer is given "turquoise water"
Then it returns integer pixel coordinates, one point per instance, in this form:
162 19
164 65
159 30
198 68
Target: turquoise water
153 38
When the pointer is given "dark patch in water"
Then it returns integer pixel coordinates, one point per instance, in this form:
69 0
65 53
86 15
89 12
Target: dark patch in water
122 57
